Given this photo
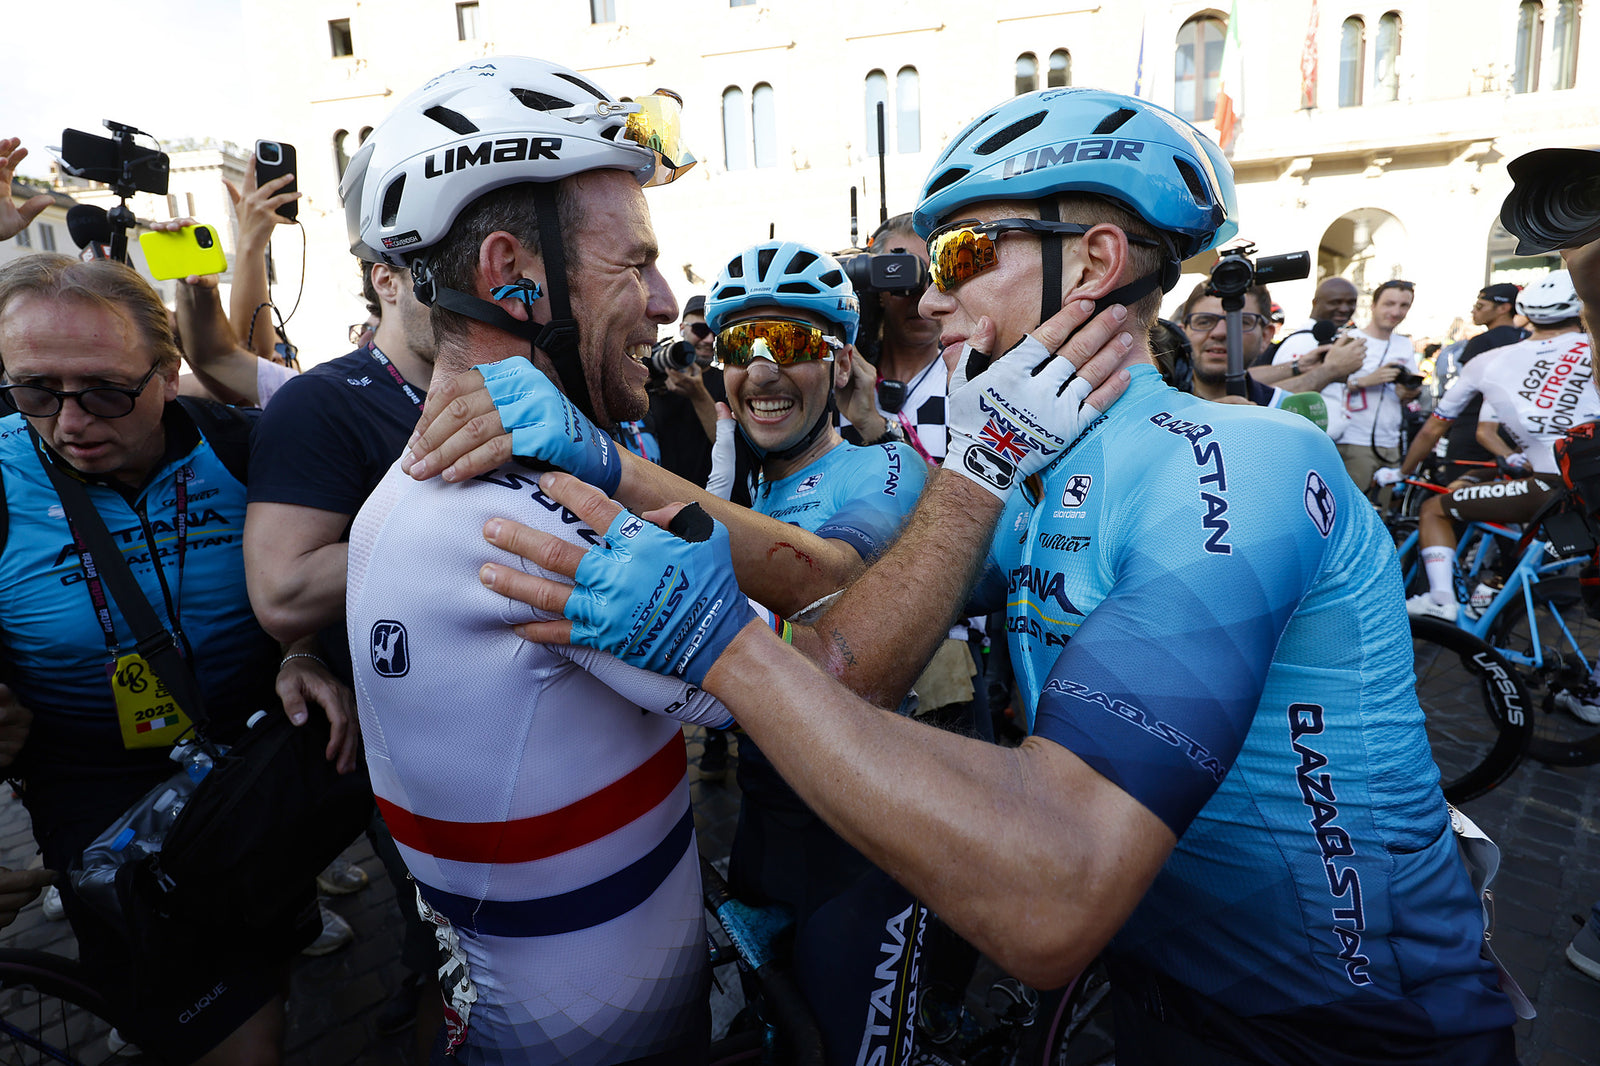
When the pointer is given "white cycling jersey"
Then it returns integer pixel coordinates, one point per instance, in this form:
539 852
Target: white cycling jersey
542 812
1535 389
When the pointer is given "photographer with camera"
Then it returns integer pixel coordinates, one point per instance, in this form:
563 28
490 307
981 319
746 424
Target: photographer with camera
1375 395
1537 389
897 392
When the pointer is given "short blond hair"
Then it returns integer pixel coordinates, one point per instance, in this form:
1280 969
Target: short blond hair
101 283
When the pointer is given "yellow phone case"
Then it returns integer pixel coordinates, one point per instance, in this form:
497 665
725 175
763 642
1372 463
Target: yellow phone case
177 255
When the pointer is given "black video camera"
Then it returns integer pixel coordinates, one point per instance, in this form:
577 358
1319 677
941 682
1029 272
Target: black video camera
1235 274
899 273
116 161
1555 202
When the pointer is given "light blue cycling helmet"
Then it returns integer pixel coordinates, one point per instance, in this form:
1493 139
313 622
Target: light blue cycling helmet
785 274
1089 141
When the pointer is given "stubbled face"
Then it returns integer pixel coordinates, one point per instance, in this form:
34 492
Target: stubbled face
904 328
1391 307
71 344
775 405
1211 347
1007 292
1335 301
618 294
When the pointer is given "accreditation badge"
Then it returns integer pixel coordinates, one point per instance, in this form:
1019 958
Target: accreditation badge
147 713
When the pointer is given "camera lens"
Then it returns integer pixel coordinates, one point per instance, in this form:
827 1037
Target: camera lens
202 237
270 153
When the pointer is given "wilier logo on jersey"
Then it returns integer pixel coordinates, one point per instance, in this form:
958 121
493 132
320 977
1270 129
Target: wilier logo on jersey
1319 503
391 652
1077 490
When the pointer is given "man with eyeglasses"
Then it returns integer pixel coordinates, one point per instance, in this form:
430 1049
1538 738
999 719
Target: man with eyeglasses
1205 324
91 364
1241 815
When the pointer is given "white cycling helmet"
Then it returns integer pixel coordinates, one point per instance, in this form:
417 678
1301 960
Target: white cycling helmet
1549 300
488 124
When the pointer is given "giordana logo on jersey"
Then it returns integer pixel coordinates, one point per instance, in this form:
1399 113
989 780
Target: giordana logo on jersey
631 527
486 153
391 650
1319 503
809 485
1077 490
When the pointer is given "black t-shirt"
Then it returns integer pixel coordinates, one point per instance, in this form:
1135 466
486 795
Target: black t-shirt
325 441
685 448
1462 436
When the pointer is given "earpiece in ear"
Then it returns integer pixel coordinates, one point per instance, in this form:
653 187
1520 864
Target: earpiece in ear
524 289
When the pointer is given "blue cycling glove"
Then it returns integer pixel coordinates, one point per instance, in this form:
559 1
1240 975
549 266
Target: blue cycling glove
545 426
663 601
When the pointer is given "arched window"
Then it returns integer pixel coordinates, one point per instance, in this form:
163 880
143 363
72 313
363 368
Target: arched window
877 93
764 125
1197 67
1530 39
907 111
1027 73
1352 60
361 138
734 136
1566 44
341 153
1386 78
1060 68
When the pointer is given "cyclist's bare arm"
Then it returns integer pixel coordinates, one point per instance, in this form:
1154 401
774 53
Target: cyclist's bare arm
1489 437
1428 436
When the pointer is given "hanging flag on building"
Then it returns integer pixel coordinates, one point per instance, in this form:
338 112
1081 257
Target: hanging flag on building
1138 72
1308 63
1230 89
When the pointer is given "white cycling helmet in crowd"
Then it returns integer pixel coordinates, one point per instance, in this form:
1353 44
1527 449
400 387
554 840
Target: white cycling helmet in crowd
499 121
1549 300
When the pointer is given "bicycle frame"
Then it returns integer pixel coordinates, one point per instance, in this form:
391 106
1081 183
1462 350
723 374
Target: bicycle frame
1529 569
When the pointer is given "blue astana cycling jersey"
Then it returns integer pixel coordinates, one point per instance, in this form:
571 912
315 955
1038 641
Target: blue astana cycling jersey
49 631
857 495
1204 608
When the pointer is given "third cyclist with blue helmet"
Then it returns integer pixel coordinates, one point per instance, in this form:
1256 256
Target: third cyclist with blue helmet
1227 790
785 318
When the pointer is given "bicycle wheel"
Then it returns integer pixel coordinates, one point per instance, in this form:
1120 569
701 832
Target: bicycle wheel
1476 710
48 1014
1560 738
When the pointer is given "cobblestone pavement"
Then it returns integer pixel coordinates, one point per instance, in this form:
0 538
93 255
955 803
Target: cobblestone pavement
1546 820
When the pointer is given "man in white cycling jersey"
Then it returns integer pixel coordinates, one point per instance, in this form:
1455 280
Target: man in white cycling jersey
1537 389
543 814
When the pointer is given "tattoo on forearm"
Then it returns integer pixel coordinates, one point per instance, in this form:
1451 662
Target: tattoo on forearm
842 656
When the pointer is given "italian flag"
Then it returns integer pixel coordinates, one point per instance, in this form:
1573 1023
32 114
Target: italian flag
1230 92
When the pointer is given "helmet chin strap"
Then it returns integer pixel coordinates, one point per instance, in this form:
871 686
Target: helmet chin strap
557 338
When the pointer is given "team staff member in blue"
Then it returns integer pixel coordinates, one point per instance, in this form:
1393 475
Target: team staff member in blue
785 320
1228 788
90 362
